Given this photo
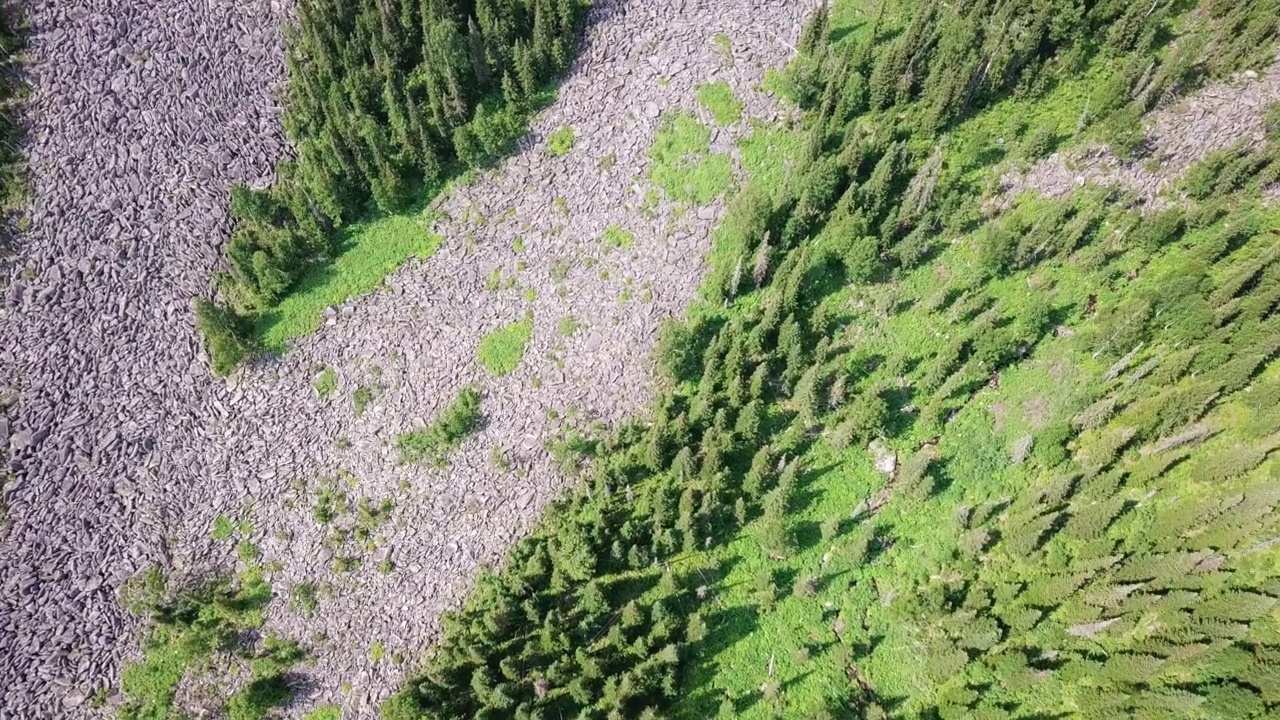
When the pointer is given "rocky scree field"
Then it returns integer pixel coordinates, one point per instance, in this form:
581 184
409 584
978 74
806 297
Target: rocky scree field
971 410
293 469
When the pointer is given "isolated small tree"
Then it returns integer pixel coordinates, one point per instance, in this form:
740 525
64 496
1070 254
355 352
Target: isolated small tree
696 629
225 338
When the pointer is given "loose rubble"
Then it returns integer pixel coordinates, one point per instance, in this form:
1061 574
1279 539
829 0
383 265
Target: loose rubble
123 447
140 116
1214 118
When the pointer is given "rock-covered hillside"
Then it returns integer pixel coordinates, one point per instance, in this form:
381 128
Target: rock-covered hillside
790 359
125 451
140 115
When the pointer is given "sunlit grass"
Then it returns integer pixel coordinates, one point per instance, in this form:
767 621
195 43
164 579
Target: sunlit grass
683 164
501 350
371 251
718 99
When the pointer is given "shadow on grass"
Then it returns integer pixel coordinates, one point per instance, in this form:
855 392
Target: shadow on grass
728 626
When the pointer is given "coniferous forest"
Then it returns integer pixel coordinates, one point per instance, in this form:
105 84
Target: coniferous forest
916 453
12 168
386 101
1109 552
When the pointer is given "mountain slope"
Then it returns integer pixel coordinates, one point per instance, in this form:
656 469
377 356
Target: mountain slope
921 456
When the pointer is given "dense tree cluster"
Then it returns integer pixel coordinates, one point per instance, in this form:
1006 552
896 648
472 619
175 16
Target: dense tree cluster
387 99
13 27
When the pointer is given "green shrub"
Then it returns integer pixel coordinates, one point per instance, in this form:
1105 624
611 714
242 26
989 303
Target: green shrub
223 528
677 356
226 337
256 700
1159 230
1124 132
501 350
1271 122
617 237
1041 140
1203 180
489 135
360 399
327 383
568 325
303 598
718 99
435 441
561 141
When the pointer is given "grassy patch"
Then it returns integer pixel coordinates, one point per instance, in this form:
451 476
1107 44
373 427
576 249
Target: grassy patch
434 442
190 632
223 528
617 237
771 155
568 325
303 598
683 164
327 712
369 253
561 141
361 397
724 46
501 350
327 383
718 99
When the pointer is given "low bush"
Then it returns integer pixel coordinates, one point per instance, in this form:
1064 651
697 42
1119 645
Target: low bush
501 350
1271 121
561 141
434 442
226 337
326 383
718 99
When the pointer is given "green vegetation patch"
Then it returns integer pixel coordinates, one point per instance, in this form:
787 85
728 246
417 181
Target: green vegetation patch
370 252
361 397
226 336
724 46
501 350
617 237
189 629
683 164
327 382
326 712
14 190
718 99
568 325
223 528
916 458
403 128
434 442
561 141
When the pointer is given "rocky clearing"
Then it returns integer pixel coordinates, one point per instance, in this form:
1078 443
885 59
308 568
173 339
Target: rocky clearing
1214 118
124 450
